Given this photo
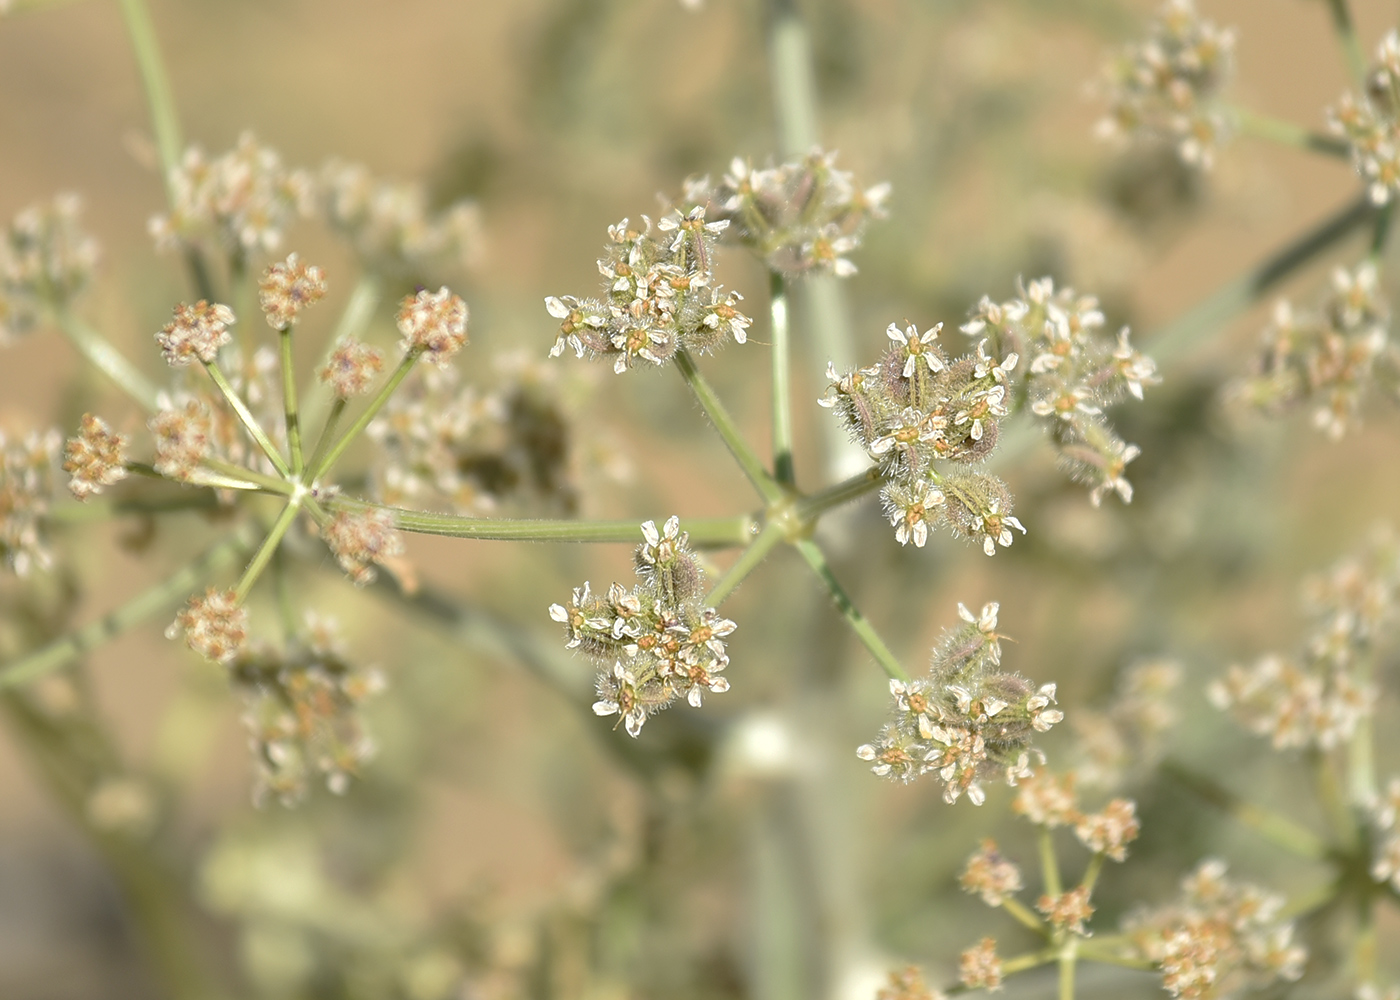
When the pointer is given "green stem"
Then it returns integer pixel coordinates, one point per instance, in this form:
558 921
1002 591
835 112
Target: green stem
1288 134
1361 750
782 372
864 631
272 484
289 399
710 532
1094 951
1049 864
267 549
1276 829
1381 235
810 508
747 562
1022 915
1346 34
1091 872
400 373
769 490
149 602
1334 802
245 417
1032 960
327 433
1067 964
107 359
165 121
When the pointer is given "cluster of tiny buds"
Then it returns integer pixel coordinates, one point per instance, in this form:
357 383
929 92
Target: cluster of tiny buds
908 984
214 625
1371 123
362 539
351 368
26 467
183 437
1165 88
979 967
433 324
46 259
196 333
95 459
1049 801
287 288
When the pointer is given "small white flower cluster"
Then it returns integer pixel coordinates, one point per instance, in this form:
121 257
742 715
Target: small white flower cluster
1318 700
1126 737
1221 936
1371 123
659 296
26 486
1076 371
1330 357
46 259
657 643
916 407
967 721
1165 88
799 217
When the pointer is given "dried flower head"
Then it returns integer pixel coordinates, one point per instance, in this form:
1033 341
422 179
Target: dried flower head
979 968
968 721
1048 800
991 875
288 287
1068 911
96 458
361 539
908 984
433 324
1166 87
195 334
46 259
1109 832
26 483
351 368
183 436
215 625
243 200
657 643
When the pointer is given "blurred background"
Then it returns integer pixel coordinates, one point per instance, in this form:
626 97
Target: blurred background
506 843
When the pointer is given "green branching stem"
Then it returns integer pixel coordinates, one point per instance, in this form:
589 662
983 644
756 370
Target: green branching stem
1049 864
782 373
270 484
724 424
149 602
315 471
1351 47
1068 957
246 418
771 535
289 400
1278 830
1288 134
99 352
705 532
327 433
1091 872
1022 915
810 508
860 625
165 121
1102 951
268 548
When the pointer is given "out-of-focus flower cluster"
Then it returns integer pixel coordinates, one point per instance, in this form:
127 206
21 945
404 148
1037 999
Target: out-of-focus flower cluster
1074 372
968 720
445 443
1126 737
1318 699
659 296
46 259
1371 123
1220 936
1049 800
26 486
1329 357
244 201
1166 88
302 712
908 984
799 217
656 643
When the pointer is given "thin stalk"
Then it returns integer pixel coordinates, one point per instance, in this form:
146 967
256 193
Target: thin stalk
747 562
362 421
1346 34
1288 134
160 99
1094 951
810 508
267 549
1091 872
1278 830
1361 751
861 626
724 424
327 433
359 310
149 602
1049 864
289 400
245 416
99 352
1022 915
782 372
1381 235
1067 965
1032 960
1333 800
272 484
711 532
